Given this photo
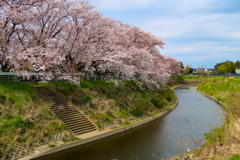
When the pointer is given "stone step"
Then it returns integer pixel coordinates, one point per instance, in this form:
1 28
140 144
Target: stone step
85 131
82 125
78 124
73 120
82 128
70 116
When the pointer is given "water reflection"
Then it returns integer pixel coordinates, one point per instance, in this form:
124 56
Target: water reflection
157 139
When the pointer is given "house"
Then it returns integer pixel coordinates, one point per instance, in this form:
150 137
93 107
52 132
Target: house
194 70
207 71
212 71
237 71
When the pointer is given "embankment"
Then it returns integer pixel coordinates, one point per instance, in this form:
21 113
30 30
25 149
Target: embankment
26 121
91 137
221 142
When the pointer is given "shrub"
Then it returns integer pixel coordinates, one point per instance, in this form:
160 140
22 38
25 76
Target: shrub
132 85
2 99
159 104
123 113
125 123
216 134
99 125
51 145
70 139
107 117
17 122
169 98
88 98
137 111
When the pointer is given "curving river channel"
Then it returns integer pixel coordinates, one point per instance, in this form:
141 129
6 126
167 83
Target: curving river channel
193 116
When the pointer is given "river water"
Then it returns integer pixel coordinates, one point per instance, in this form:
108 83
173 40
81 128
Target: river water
160 139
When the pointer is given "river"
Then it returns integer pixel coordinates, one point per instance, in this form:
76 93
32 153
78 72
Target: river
156 140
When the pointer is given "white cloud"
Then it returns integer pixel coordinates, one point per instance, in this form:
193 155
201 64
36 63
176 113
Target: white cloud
199 47
190 5
209 26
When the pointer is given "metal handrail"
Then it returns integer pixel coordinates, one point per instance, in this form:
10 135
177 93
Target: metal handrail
82 77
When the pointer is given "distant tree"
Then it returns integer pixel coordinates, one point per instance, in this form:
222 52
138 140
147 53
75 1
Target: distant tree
232 69
186 70
218 65
190 70
200 71
182 67
226 67
237 65
222 69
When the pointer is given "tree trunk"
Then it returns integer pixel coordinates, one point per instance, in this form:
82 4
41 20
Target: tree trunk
5 68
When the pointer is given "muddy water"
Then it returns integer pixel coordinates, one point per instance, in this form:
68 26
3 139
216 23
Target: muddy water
193 116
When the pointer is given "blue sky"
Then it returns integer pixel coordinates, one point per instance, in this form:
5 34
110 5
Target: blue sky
196 32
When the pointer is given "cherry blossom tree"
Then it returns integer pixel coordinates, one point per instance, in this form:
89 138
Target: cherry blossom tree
56 36
13 13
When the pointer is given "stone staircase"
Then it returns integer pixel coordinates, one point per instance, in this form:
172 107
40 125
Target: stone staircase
75 121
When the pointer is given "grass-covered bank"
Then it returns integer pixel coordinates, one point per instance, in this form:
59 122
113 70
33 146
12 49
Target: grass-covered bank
185 80
25 119
108 105
222 142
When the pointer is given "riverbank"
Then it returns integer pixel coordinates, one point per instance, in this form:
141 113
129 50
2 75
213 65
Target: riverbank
106 105
97 135
101 134
26 121
222 142
158 137
178 81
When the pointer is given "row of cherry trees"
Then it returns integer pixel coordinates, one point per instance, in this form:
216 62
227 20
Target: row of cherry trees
55 36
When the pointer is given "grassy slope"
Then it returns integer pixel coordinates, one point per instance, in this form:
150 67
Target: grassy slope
25 119
111 106
186 79
222 142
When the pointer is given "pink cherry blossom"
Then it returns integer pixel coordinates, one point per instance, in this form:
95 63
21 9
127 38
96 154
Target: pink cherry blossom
57 36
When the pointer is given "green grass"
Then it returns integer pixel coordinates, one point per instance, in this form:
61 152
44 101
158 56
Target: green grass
129 101
235 157
24 119
181 79
70 139
226 91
